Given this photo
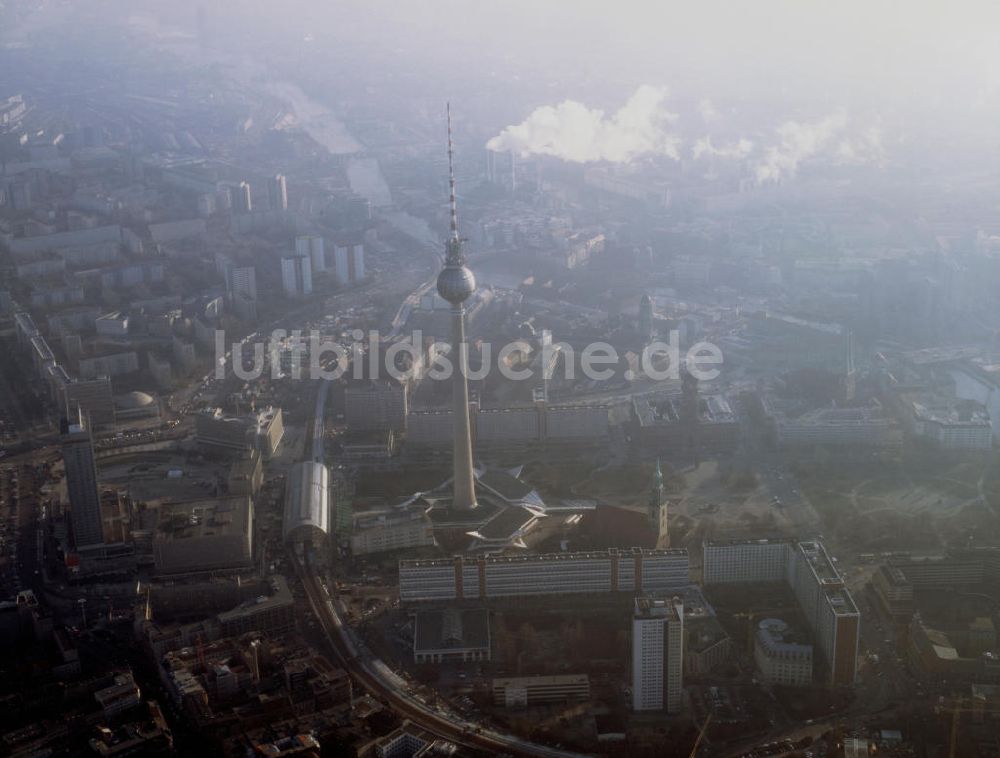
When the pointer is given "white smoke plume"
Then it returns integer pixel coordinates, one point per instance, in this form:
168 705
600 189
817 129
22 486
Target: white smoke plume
833 139
797 142
574 132
738 150
866 148
706 108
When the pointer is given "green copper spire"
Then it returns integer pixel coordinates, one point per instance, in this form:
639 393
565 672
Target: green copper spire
656 490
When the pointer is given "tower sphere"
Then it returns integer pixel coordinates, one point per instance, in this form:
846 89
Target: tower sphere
455 284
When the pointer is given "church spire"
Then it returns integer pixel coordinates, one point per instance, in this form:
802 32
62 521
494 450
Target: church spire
656 491
658 509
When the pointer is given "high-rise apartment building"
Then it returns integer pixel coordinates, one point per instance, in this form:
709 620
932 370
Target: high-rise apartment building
314 247
81 484
658 654
242 198
296 275
349 263
243 282
277 191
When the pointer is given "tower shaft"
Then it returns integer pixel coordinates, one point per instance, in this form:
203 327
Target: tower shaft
464 480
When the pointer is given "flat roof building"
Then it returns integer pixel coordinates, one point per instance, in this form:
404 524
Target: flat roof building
451 634
262 430
946 422
859 425
737 561
659 422
502 576
521 691
392 530
203 535
894 591
271 614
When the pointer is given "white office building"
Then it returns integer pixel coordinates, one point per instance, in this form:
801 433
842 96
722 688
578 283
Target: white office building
380 532
744 561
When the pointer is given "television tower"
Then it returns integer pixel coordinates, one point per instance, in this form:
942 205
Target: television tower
455 284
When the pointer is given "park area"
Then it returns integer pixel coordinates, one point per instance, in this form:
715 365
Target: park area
924 503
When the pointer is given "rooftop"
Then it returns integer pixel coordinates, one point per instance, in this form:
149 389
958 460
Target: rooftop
307 500
712 409
505 525
504 484
648 607
947 411
893 574
551 557
194 519
280 596
782 633
855 415
552 680
134 400
745 541
820 562
442 513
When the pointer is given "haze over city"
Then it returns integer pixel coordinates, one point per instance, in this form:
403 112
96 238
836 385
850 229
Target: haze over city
499 378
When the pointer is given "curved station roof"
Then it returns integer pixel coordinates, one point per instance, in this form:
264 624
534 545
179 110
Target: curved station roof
307 503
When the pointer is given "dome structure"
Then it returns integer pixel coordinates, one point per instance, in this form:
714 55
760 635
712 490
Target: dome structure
134 401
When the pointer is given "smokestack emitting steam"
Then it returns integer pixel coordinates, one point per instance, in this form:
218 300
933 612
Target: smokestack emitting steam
574 132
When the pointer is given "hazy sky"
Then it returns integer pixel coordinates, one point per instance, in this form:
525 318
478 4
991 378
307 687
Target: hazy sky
786 78
855 53
920 51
